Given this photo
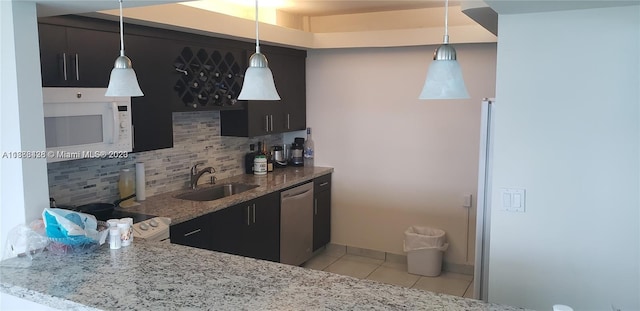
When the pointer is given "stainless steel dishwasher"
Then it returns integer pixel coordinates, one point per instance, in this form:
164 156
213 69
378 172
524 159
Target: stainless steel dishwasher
296 224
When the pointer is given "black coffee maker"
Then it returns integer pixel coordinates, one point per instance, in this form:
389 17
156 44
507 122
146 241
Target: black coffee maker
297 152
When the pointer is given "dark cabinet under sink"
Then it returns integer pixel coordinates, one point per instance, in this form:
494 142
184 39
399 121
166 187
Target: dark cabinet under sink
250 229
253 228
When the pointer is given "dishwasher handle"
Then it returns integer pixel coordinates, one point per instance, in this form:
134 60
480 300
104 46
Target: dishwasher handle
292 196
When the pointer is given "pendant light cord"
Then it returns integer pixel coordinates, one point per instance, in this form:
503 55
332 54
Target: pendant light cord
121 32
257 30
446 22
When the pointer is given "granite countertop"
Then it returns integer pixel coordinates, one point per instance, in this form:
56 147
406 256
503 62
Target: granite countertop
163 276
166 205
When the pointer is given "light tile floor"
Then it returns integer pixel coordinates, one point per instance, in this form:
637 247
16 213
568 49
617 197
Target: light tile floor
390 272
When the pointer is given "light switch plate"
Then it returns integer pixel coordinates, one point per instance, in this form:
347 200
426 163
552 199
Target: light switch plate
513 199
467 200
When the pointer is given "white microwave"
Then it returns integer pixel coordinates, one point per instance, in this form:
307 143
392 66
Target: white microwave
84 123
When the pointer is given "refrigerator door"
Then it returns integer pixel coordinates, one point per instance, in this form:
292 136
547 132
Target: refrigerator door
481 266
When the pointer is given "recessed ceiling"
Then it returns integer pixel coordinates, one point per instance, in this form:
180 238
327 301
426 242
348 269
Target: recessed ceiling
62 7
336 7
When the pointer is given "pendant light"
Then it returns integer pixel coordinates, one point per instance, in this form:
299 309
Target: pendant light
123 80
258 79
444 77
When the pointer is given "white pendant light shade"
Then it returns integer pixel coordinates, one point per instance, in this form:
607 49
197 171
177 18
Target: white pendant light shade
123 80
258 85
258 80
444 81
444 77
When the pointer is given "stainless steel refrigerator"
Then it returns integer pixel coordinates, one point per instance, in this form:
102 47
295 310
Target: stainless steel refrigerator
481 266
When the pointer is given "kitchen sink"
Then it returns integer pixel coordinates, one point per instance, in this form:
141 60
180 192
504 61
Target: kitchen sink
216 192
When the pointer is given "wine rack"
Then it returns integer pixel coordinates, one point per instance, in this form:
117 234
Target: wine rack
208 78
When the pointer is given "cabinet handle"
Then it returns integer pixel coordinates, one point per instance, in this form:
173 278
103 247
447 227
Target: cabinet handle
315 207
248 216
266 122
271 121
77 69
254 213
324 184
192 232
64 65
288 122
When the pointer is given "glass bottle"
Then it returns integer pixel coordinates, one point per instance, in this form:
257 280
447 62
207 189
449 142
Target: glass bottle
126 186
309 149
248 159
269 161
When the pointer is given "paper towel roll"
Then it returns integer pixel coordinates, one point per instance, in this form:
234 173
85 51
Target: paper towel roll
140 182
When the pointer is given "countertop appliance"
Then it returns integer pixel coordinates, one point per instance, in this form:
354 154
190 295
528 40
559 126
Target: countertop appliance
155 229
296 224
297 151
279 156
84 123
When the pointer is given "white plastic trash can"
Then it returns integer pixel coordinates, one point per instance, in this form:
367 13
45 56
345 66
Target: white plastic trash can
425 247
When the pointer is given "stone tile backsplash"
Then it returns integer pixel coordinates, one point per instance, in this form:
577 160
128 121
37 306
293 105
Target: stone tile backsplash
196 138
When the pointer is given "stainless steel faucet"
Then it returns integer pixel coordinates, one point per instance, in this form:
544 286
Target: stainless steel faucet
195 175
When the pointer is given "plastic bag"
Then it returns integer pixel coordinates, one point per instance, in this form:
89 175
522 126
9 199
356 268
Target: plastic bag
73 232
62 223
24 243
417 237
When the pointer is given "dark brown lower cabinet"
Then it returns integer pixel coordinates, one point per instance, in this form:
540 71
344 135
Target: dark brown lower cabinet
252 228
322 211
195 232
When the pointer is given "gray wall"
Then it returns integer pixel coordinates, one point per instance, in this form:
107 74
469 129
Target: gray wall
566 130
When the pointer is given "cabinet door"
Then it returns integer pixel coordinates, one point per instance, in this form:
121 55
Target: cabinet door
295 106
152 113
53 55
76 56
322 212
262 236
228 226
289 76
263 117
194 233
92 55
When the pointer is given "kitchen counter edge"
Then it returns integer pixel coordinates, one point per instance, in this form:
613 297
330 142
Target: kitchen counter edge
179 210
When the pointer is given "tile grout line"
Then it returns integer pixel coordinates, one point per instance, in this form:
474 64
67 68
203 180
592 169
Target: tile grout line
374 270
416 282
468 287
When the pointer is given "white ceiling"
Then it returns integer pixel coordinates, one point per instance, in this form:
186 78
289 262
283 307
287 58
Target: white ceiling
299 7
61 7
336 7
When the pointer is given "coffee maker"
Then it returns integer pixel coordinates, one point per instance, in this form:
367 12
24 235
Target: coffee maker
279 156
297 152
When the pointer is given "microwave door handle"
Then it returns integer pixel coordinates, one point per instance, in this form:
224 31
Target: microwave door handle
116 123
